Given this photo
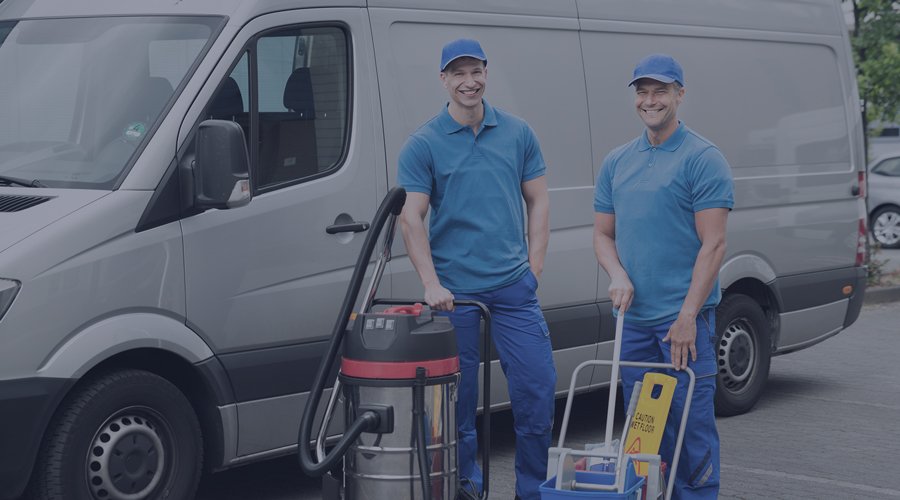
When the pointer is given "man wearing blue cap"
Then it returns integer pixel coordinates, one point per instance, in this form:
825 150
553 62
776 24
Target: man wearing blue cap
661 204
474 164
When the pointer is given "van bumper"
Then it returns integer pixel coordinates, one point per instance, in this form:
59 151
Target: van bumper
856 299
26 406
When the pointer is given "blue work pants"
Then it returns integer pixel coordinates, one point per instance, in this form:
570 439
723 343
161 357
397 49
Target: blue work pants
522 339
698 465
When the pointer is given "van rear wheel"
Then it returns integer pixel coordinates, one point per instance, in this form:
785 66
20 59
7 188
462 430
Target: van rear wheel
743 353
128 435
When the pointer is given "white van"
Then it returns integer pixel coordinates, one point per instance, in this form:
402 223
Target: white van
150 309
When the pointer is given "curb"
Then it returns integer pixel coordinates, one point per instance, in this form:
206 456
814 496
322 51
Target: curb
882 295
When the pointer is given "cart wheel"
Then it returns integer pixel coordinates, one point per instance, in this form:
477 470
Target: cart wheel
128 435
743 351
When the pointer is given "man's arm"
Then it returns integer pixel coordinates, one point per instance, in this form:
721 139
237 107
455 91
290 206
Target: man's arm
711 224
537 203
621 291
412 224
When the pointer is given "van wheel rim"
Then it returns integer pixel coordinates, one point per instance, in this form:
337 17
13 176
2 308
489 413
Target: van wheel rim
127 457
887 228
736 355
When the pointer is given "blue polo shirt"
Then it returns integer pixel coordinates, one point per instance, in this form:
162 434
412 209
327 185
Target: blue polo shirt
474 180
654 193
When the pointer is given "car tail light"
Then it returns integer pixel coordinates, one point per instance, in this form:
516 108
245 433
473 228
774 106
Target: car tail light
861 243
862 184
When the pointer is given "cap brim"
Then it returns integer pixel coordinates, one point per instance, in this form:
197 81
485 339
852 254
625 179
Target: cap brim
473 56
659 78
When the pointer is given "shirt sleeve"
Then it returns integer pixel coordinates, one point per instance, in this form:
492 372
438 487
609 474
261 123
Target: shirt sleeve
415 169
711 182
603 200
534 160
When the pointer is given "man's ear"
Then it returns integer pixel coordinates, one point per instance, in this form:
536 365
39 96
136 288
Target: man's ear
443 79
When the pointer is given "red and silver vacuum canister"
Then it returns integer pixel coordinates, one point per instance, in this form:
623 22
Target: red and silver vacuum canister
401 363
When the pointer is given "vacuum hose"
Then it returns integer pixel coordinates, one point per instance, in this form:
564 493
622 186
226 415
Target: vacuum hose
391 205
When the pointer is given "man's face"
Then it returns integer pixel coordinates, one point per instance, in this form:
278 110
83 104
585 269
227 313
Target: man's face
465 80
656 102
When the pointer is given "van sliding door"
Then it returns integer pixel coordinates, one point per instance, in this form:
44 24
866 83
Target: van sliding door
534 72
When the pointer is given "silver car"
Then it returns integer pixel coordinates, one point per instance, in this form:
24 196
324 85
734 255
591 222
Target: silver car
884 200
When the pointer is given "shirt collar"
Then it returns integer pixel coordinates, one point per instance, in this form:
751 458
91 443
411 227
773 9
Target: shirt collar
671 143
451 126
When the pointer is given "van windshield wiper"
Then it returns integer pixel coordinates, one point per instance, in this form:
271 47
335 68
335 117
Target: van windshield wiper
13 181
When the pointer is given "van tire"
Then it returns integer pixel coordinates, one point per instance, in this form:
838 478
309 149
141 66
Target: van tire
891 217
743 353
141 422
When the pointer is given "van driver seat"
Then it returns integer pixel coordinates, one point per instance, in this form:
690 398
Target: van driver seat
288 150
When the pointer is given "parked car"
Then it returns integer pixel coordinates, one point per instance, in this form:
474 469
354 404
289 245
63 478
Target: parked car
884 200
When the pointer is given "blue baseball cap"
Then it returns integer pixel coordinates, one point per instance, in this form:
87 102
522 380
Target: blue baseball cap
462 47
659 67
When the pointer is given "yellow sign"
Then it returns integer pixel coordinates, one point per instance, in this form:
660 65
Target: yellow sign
649 421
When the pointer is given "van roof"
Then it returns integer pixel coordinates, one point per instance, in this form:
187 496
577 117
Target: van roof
809 16
239 9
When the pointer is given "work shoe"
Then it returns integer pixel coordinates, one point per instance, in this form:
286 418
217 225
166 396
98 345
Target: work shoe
467 490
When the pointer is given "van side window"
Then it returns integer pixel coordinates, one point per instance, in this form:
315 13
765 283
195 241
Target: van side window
889 167
303 97
290 93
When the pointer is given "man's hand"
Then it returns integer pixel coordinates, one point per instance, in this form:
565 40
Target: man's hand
682 337
621 292
438 298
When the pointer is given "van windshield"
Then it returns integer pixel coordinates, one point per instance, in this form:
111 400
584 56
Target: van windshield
78 97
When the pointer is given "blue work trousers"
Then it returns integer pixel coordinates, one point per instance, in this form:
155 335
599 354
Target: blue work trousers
698 465
522 339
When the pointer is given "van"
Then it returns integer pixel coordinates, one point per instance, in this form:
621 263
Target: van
184 187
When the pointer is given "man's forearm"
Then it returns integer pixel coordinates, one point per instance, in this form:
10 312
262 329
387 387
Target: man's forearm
706 270
538 234
418 249
608 255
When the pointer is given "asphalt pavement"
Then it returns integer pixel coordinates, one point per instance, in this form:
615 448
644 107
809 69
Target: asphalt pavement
826 428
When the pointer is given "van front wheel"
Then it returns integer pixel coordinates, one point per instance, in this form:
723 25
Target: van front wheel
125 435
743 352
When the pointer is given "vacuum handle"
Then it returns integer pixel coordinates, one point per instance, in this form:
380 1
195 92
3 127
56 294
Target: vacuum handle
486 380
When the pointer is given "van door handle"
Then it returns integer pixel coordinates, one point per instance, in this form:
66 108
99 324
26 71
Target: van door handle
352 227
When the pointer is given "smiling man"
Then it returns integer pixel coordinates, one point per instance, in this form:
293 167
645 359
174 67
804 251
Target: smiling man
473 165
661 203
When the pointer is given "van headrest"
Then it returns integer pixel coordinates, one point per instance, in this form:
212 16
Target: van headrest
228 102
298 94
158 93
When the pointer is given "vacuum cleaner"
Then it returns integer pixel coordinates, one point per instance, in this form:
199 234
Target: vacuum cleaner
398 381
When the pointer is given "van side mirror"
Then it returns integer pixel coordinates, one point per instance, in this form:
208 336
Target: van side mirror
221 166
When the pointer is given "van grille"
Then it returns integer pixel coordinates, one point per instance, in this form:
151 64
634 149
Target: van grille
14 203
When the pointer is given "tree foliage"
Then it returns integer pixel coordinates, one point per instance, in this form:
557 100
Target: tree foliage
876 50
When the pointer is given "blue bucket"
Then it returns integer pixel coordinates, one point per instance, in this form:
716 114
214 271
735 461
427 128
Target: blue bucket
633 484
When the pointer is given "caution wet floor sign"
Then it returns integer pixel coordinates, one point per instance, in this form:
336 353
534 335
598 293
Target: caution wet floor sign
649 422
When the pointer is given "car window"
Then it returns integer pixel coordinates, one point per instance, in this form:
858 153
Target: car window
299 117
889 167
80 96
302 96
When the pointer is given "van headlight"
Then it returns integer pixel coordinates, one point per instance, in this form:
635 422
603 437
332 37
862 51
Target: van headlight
8 291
